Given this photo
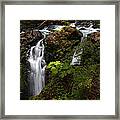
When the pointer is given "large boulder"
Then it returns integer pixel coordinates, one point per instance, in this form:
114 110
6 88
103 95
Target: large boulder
60 44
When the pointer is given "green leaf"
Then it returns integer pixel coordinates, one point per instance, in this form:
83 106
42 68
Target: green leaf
54 70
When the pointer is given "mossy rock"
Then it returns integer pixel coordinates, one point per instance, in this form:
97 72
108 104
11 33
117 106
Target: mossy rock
62 43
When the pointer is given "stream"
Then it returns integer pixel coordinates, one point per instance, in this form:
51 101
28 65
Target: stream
37 60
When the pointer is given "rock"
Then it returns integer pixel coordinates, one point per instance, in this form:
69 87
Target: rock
69 33
95 36
59 43
29 37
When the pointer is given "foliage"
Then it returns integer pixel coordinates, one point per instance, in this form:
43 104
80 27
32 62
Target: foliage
71 83
91 52
24 90
54 67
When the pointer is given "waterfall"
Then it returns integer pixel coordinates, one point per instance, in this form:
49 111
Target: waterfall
76 59
37 65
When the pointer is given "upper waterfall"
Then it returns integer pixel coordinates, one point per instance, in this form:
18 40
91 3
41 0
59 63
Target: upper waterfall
76 59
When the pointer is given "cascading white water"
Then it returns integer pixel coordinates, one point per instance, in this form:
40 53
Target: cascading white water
76 59
38 65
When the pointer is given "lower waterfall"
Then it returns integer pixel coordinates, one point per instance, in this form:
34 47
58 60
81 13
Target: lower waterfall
37 66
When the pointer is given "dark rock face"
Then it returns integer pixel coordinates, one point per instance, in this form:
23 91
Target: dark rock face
28 37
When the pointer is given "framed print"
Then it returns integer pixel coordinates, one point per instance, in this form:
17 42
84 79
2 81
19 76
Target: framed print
60 59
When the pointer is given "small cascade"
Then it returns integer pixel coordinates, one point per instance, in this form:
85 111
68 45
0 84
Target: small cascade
38 65
76 59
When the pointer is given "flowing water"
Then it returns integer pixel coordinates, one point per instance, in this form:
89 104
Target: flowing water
38 65
37 61
76 59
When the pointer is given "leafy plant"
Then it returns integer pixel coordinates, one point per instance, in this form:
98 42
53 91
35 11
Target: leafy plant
54 67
